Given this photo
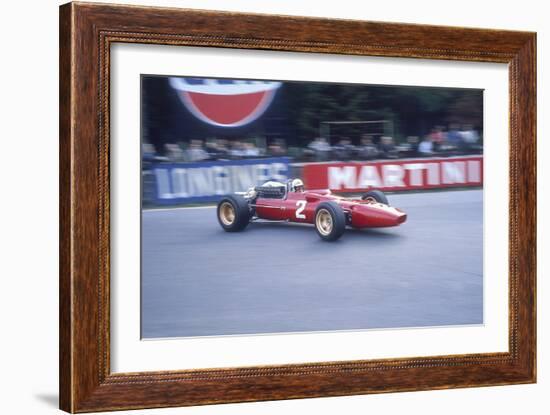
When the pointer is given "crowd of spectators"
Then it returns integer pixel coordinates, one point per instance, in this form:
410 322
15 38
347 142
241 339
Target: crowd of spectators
214 149
439 142
458 140
320 150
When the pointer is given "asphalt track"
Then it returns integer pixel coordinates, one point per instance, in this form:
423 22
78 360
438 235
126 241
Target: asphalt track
198 280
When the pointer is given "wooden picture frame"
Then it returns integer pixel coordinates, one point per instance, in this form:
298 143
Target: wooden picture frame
86 33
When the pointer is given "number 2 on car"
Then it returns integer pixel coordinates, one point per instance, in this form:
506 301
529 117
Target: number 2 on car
300 206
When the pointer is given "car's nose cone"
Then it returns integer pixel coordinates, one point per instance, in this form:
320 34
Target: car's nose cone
377 215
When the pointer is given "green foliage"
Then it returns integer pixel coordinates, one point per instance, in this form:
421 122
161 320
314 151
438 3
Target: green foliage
413 110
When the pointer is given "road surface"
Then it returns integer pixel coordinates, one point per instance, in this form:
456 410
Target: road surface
198 280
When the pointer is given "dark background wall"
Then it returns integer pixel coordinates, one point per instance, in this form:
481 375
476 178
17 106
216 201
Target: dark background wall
299 107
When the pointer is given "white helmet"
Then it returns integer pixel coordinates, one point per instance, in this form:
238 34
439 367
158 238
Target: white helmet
297 185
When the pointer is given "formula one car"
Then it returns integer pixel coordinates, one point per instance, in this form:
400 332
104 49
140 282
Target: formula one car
290 202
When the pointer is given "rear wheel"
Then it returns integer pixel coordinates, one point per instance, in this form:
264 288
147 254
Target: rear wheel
376 196
233 213
330 221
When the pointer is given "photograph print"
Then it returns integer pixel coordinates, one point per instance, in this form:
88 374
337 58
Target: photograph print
273 206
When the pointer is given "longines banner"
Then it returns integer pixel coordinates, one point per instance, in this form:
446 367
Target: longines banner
179 183
410 174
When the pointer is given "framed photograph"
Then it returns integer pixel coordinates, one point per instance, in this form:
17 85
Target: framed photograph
258 207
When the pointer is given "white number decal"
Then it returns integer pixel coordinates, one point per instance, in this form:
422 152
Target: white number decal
300 206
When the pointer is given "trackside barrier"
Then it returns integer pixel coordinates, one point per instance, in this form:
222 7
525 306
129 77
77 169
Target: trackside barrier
410 174
181 183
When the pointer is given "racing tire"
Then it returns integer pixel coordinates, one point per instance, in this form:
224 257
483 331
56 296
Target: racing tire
330 221
233 213
377 196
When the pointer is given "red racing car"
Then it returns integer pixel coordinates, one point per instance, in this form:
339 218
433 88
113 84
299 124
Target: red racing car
290 202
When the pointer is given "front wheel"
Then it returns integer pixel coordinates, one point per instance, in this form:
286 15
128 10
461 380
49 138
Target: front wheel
330 221
233 213
376 196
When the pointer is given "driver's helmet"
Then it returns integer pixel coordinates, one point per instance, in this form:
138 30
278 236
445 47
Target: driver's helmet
297 185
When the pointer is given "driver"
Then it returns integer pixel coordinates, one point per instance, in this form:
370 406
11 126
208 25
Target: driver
297 186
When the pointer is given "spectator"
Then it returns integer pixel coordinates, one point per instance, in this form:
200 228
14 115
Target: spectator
196 152
412 146
222 147
216 149
148 152
250 150
470 139
387 148
236 149
469 135
277 148
426 146
437 137
173 152
367 150
321 148
453 137
344 149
